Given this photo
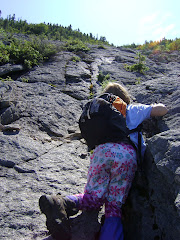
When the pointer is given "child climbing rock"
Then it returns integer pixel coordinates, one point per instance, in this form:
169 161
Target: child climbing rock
113 164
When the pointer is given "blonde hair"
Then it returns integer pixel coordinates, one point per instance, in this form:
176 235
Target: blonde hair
118 90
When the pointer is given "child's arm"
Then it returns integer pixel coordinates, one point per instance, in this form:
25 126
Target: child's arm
158 110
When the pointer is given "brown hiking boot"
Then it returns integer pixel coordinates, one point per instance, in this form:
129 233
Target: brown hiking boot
57 210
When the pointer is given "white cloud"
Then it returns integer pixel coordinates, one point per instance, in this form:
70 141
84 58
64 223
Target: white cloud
148 19
155 27
162 32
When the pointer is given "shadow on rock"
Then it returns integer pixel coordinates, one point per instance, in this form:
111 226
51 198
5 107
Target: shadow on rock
85 226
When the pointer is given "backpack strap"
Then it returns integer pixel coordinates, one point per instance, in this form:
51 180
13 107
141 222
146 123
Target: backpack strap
139 155
91 109
116 102
109 97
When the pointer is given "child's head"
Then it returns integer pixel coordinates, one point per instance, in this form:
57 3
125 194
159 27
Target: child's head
117 90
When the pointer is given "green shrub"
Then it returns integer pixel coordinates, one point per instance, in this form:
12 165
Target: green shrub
76 46
104 79
91 90
52 85
101 77
139 66
24 53
105 83
101 46
4 54
138 81
6 79
29 53
23 79
46 49
76 59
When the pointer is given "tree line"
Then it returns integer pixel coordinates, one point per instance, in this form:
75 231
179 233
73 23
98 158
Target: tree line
48 31
164 45
25 43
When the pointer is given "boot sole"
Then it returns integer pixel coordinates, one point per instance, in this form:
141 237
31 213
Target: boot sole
45 204
50 209
57 224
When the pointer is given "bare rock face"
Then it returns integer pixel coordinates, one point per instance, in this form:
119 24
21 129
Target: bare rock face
42 152
154 198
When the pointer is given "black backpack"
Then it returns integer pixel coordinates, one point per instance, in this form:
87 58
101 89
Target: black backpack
100 122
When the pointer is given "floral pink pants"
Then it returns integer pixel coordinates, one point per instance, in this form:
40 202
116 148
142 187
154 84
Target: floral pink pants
112 169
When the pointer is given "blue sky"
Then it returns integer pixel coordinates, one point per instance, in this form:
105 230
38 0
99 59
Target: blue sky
121 22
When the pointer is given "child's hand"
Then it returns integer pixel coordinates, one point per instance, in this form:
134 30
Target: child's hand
158 110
